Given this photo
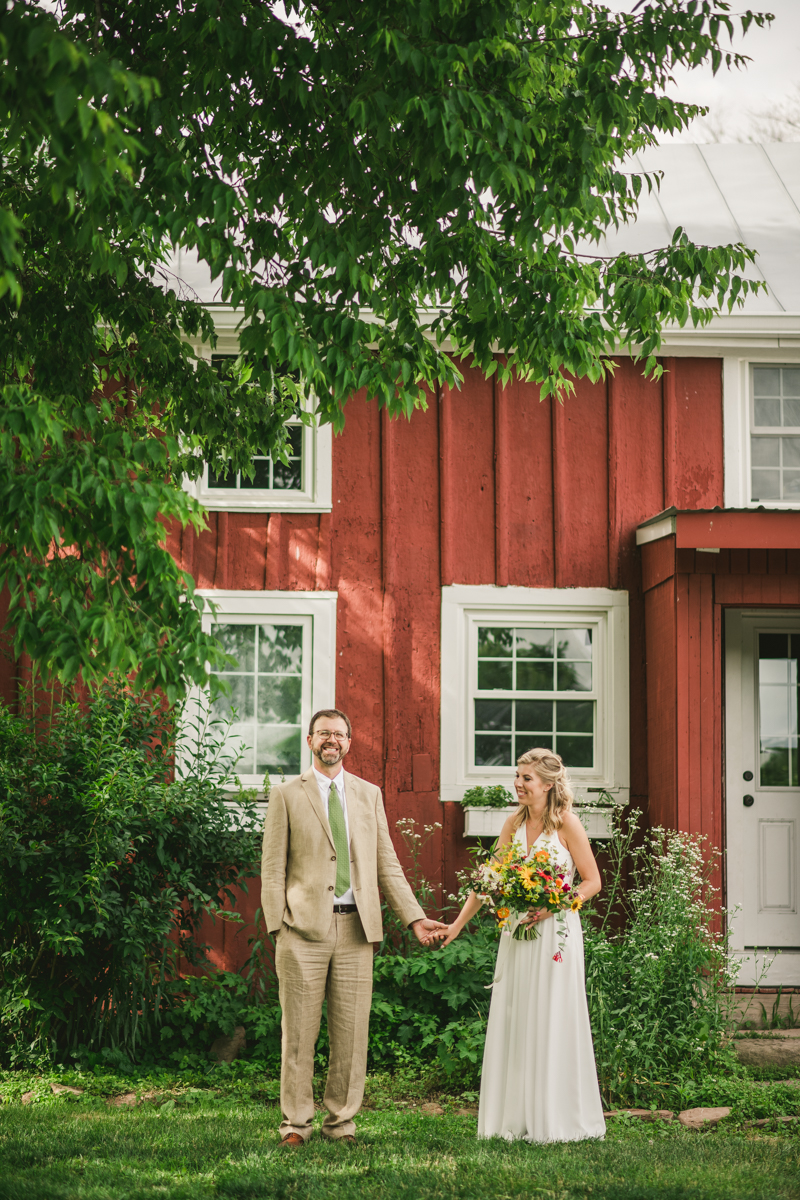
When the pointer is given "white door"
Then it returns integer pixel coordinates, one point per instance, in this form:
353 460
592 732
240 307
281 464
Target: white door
762 771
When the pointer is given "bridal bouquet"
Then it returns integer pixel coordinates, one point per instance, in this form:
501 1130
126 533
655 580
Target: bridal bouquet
513 884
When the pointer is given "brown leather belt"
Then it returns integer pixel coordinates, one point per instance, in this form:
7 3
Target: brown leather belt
344 908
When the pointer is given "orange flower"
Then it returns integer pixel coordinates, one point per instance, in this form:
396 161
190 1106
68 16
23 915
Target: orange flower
502 913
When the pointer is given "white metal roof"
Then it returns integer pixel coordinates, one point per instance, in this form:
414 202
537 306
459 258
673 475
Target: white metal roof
719 193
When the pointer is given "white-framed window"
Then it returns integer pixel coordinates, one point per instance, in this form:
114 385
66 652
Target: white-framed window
304 484
284 644
774 433
762 433
524 667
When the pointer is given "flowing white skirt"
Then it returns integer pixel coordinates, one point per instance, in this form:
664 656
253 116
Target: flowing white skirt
539 1080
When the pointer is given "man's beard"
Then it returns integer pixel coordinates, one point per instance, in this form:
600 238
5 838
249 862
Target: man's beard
338 753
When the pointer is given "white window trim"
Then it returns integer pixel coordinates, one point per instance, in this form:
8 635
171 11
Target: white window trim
317 491
319 606
736 403
315 496
464 606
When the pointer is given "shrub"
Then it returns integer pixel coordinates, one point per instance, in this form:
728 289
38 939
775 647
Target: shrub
658 981
109 861
433 1004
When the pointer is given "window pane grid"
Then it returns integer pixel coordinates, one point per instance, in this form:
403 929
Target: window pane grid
533 667
269 475
775 457
266 687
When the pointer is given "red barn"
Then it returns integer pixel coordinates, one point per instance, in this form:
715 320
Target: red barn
617 577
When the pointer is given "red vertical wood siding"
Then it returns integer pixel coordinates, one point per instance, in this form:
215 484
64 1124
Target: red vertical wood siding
356 573
685 594
580 486
467 481
698 433
490 485
661 730
525 533
635 490
412 604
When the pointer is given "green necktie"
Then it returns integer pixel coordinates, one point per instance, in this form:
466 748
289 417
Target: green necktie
339 831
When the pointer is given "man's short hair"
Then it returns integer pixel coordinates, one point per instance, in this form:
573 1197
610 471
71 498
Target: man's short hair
330 712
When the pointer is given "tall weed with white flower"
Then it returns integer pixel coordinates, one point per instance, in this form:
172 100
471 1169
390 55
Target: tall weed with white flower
658 972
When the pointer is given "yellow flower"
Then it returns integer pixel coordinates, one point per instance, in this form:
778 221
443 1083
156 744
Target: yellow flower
525 876
577 901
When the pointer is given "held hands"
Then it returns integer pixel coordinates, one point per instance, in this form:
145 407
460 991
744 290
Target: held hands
445 935
429 932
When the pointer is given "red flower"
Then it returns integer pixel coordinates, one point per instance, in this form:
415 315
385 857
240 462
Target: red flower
557 957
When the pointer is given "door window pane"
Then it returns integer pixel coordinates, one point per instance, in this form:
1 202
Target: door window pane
777 696
265 695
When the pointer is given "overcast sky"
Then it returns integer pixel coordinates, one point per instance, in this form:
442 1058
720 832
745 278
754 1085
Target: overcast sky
733 97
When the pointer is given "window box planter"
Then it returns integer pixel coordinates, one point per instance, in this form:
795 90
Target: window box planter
597 822
484 821
488 822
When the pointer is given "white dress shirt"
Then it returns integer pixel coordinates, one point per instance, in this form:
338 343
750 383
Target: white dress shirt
324 785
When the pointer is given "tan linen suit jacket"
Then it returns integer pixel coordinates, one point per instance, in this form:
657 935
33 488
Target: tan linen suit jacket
298 860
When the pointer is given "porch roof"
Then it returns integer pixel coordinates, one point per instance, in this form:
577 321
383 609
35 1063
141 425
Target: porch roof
724 528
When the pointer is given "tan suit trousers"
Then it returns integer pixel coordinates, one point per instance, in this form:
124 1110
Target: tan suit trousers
339 970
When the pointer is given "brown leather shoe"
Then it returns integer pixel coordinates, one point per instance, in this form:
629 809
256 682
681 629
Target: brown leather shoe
343 1137
291 1139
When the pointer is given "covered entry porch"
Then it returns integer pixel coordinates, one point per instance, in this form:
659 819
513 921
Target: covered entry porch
722 635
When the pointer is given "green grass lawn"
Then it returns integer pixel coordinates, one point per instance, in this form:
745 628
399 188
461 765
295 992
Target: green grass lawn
217 1148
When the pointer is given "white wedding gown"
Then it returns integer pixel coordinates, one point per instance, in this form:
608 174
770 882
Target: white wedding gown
539 1080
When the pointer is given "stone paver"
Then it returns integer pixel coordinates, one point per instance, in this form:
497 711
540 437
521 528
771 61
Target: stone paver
698 1118
779 1048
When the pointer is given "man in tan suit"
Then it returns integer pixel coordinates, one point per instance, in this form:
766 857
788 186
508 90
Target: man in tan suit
326 851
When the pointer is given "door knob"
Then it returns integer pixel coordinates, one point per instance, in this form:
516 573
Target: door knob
748 801
747 776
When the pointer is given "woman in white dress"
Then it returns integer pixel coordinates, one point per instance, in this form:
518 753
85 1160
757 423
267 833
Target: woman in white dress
539 1080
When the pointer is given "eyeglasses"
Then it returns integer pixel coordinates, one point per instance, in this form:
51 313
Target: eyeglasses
325 734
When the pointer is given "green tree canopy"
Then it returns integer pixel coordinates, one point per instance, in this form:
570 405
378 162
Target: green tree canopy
378 188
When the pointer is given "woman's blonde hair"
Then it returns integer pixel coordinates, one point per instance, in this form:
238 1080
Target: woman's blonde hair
550 769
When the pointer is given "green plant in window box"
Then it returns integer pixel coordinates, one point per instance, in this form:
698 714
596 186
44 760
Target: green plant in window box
487 797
